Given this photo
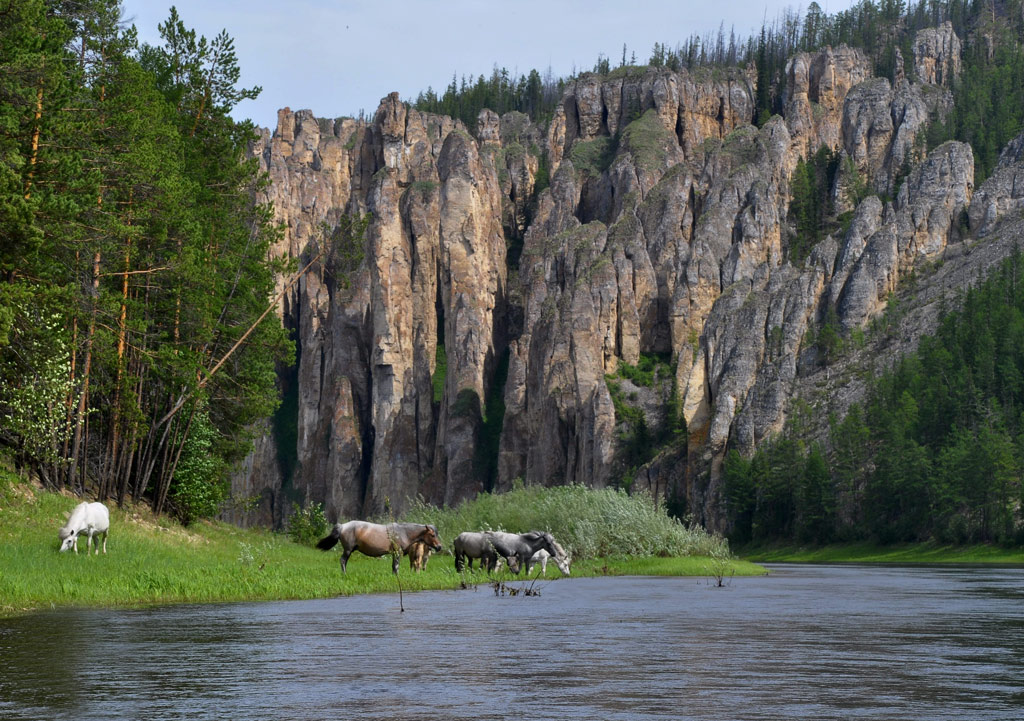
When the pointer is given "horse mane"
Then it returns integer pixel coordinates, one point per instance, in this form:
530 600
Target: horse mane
558 549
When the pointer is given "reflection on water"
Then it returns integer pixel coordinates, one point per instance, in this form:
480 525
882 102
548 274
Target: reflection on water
813 642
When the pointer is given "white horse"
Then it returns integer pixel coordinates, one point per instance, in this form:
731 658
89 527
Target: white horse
89 518
542 557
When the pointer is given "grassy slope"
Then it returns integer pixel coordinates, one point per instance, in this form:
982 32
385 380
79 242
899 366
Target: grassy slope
153 560
870 553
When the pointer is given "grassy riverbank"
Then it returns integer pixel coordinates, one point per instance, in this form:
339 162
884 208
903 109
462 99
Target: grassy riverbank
872 553
153 560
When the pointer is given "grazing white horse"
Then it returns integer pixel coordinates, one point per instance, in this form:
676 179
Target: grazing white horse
542 557
89 518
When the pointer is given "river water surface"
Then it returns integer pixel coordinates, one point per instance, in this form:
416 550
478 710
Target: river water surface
807 642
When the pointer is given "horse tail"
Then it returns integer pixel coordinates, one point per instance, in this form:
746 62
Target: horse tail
329 542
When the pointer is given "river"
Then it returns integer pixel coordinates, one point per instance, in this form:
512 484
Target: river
807 642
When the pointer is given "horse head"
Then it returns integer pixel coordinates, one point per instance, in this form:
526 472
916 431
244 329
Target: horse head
67 538
514 563
431 538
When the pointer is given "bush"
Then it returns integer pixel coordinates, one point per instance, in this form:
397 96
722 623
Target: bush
200 485
589 523
307 525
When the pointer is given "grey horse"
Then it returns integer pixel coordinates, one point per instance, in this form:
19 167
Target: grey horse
522 546
472 545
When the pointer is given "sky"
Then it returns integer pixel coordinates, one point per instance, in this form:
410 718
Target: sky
340 57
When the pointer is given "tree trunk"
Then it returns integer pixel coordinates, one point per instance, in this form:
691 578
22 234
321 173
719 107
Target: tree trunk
83 398
33 157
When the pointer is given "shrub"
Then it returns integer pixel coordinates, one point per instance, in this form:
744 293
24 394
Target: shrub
593 157
589 523
307 525
200 485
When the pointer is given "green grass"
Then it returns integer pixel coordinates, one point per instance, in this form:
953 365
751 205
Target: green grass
873 553
153 560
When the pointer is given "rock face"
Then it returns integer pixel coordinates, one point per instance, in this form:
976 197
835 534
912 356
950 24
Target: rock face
816 88
880 130
474 342
924 218
1003 193
937 55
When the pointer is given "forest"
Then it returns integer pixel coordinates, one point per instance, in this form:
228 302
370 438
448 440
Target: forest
935 451
136 350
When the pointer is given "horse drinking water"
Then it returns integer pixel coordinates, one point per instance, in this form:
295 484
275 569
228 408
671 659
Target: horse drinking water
375 539
89 518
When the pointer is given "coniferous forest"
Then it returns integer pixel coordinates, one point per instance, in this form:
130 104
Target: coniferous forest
138 347
133 260
935 452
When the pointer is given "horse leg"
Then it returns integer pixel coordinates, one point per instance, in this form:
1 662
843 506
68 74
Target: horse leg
104 542
344 560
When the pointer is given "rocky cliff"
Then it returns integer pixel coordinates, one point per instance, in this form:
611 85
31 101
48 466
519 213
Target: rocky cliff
485 334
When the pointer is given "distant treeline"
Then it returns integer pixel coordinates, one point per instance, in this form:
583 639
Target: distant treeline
989 96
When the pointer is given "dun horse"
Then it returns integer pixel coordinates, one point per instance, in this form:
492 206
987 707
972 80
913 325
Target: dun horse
375 539
418 554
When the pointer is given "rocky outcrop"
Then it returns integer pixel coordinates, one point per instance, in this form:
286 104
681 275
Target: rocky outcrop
926 215
693 106
937 55
662 232
880 131
1002 194
370 432
816 88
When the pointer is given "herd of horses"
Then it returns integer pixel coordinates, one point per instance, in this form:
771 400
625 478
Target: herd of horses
416 540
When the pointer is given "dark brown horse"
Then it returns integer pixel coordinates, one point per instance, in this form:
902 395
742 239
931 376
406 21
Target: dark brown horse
375 539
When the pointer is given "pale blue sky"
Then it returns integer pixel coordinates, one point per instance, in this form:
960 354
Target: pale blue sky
337 57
